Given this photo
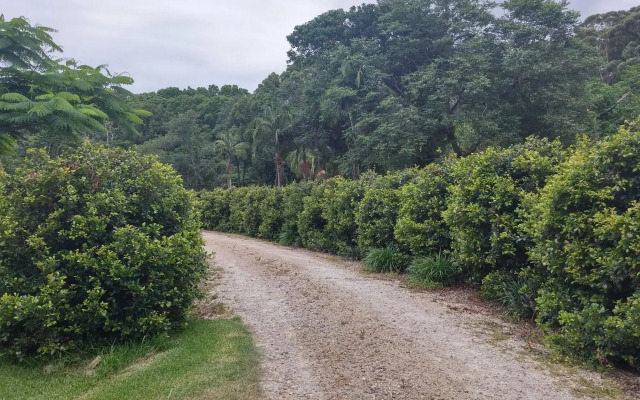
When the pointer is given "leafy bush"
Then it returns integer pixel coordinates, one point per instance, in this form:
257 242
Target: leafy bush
215 209
339 203
437 268
271 215
420 224
102 245
387 259
327 221
482 207
311 223
377 212
252 209
237 210
585 224
292 206
510 291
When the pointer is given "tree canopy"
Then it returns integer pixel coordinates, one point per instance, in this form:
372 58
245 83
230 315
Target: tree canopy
379 86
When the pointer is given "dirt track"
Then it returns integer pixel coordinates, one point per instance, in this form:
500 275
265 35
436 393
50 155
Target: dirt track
326 331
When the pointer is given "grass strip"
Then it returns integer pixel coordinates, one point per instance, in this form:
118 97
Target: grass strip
208 360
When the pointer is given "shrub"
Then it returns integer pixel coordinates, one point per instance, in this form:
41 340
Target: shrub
311 222
339 203
252 209
292 206
215 209
420 225
327 221
437 268
102 245
586 229
271 215
377 212
482 207
386 259
237 210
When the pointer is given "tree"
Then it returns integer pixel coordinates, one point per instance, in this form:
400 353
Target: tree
232 146
272 124
40 94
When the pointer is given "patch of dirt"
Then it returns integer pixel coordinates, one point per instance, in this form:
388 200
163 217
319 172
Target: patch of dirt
327 331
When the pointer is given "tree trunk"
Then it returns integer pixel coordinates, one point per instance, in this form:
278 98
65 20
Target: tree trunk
229 172
450 134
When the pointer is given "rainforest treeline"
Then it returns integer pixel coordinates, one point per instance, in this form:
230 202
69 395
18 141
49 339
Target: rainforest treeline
391 85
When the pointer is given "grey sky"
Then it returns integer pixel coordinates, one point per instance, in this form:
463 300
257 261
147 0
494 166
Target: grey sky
182 43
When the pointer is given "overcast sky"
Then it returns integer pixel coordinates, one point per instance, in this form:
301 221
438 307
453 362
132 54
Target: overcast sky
182 43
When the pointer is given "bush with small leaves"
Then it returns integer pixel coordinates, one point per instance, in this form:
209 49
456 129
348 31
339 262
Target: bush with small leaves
292 206
215 211
252 209
420 224
585 226
271 214
327 221
377 212
482 206
101 245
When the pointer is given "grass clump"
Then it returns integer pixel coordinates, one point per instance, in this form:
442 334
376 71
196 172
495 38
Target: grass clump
209 359
511 292
432 271
388 259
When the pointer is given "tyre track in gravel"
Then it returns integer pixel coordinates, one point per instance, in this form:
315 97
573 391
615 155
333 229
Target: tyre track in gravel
325 331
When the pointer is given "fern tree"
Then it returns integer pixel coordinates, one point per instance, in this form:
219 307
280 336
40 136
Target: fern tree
39 94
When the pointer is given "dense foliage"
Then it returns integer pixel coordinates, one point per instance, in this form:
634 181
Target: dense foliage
100 245
483 201
585 226
439 96
48 103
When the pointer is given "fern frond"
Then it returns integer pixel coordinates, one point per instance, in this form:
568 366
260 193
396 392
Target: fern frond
13 97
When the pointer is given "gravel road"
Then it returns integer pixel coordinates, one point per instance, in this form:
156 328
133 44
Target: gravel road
327 331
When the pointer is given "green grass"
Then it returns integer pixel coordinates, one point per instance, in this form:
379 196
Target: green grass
208 360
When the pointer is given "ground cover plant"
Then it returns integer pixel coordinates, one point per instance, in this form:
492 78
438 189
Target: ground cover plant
432 271
99 246
388 259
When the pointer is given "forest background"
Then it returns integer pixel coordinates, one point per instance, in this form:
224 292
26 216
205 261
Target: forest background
381 87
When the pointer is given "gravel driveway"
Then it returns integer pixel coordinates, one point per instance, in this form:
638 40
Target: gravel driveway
327 331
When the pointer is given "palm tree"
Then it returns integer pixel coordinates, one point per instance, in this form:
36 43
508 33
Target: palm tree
306 161
231 145
272 124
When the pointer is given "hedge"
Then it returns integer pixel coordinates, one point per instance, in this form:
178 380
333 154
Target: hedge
551 233
585 226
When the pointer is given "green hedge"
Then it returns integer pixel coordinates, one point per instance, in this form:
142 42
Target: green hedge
482 207
420 224
585 226
550 233
377 212
101 245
